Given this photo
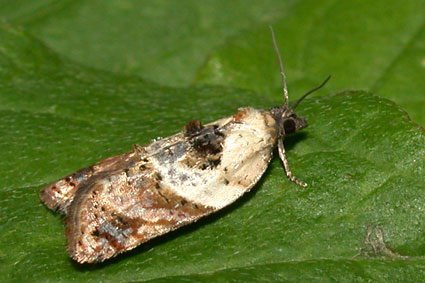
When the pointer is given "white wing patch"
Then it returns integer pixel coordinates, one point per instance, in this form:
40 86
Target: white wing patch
247 146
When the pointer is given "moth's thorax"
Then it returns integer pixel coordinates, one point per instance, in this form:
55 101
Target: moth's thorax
287 122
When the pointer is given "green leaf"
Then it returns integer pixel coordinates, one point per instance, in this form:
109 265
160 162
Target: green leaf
361 155
362 46
163 41
377 47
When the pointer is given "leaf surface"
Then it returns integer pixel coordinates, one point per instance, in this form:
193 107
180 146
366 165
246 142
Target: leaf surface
62 109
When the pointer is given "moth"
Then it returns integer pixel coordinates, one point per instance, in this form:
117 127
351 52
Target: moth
125 200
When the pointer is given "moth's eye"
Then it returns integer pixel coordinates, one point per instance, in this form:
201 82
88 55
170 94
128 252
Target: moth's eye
289 126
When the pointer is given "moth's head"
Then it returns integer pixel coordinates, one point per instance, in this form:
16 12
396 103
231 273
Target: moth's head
287 121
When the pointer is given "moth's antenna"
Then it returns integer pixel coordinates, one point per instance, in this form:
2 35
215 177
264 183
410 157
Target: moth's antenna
310 91
285 89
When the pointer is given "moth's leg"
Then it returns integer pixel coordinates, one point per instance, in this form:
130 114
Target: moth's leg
282 155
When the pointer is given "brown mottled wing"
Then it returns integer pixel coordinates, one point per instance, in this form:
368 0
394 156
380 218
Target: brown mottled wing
165 185
116 210
59 195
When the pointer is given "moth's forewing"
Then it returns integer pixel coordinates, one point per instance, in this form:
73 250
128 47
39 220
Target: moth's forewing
168 184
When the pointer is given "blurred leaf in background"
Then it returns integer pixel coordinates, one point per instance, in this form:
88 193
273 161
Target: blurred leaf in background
84 80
